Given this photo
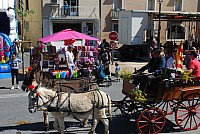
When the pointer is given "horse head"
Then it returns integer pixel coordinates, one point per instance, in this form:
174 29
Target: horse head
32 75
33 97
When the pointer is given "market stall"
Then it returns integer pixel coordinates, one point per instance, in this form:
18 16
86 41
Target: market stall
53 60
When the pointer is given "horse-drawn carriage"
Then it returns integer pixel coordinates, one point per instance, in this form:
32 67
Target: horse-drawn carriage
163 98
178 95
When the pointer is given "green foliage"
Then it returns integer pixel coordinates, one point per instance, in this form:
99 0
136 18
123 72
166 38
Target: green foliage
126 74
25 13
139 96
186 76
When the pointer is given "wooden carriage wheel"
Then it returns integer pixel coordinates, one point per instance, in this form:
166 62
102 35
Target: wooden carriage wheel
129 108
167 107
151 121
187 115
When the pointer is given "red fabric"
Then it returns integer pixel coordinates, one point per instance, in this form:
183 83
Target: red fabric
30 69
179 57
195 65
31 87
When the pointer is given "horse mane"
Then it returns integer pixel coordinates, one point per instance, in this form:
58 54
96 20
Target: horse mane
46 91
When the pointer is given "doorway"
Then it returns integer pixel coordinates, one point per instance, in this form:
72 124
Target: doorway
4 23
62 26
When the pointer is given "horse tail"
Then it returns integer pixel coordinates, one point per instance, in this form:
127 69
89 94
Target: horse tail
109 107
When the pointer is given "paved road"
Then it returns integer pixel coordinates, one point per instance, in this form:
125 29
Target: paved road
14 115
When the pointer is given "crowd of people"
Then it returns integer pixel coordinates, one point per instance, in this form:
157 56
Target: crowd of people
162 64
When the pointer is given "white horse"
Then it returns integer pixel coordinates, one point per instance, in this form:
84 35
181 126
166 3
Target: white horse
75 105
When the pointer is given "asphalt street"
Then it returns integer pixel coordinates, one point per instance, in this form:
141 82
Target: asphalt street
15 118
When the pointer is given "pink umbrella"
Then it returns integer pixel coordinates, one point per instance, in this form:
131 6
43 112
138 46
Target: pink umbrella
66 34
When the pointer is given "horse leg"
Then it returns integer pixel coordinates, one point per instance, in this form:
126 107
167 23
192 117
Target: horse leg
55 125
61 124
105 121
94 125
106 125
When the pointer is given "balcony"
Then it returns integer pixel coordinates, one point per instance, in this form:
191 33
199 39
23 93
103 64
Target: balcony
115 13
74 11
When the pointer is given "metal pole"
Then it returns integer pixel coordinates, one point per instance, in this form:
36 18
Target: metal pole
159 27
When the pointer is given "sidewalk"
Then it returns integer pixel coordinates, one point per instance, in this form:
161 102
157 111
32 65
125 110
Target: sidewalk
130 65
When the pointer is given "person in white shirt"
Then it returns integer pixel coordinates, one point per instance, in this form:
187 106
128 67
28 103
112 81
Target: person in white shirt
70 60
171 62
15 70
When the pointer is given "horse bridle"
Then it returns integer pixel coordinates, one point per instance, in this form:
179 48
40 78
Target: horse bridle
36 106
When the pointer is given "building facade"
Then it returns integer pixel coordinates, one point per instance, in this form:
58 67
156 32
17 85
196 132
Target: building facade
78 15
178 17
33 22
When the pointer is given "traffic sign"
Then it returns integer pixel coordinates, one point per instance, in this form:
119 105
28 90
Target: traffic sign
113 35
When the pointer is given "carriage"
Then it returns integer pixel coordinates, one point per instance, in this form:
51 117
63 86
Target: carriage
179 96
167 96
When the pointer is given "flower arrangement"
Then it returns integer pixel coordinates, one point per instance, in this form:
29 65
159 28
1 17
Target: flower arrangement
139 96
126 74
186 76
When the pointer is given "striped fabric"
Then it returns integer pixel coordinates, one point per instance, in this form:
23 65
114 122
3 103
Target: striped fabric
179 58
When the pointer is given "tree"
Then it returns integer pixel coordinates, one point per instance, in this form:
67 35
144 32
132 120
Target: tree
23 14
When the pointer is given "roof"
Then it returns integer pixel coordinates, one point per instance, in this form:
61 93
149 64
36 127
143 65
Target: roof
171 15
176 15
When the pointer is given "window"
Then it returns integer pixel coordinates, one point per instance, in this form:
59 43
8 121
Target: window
151 4
27 4
117 4
177 5
115 27
19 4
175 32
19 28
73 7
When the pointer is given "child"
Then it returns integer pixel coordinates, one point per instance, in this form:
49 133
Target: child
15 70
117 70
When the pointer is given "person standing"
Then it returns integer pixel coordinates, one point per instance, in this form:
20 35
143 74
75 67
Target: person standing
66 7
15 70
104 44
70 60
104 58
117 70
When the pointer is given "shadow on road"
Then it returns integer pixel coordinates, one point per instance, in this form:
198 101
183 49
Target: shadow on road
118 125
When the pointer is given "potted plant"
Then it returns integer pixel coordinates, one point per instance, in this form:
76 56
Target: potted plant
126 76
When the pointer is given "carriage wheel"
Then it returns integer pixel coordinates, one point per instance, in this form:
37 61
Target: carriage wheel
129 108
188 112
167 107
151 121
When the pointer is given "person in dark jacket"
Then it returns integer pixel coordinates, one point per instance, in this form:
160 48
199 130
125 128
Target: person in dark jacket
155 67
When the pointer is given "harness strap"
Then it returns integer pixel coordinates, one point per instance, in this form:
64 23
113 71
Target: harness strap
101 98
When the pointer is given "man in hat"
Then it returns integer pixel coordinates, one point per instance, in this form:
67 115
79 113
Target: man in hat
194 66
155 66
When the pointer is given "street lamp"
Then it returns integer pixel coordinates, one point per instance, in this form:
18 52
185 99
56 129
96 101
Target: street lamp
159 16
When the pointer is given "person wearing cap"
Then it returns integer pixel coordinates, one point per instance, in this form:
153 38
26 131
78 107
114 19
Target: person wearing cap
155 67
194 66
70 60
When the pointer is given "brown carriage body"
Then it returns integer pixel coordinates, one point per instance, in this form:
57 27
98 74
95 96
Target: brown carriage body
176 92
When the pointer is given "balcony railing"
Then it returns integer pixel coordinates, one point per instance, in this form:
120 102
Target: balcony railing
75 11
115 13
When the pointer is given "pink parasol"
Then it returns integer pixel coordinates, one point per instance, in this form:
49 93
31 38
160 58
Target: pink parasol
66 34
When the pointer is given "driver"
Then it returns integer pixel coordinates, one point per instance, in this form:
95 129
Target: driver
155 66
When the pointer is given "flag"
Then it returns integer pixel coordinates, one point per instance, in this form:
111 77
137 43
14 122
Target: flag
179 58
